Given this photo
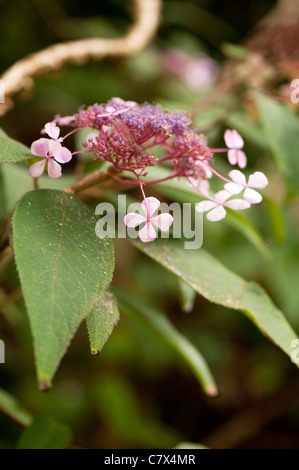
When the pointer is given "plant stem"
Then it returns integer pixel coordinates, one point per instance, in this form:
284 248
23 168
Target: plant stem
92 179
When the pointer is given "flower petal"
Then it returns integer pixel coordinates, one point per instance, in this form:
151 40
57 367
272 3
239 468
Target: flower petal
242 159
163 221
237 204
222 196
64 121
133 219
232 156
204 186
237 176
63 155
233 139
52 130
216 214
147 233
257 180
252 196
205 206
193 182
233 188
40 147
54 169
150 205
37 168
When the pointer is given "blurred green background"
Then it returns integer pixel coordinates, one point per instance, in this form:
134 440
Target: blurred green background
138 394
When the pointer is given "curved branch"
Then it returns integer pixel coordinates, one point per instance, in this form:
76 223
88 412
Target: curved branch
20 75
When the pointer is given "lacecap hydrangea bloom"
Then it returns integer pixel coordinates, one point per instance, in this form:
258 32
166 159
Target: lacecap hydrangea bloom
125 134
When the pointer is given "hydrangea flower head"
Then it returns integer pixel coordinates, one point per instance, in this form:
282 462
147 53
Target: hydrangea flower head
126 134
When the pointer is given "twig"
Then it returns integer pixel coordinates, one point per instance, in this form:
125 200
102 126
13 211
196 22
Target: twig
92 179
20 76
36 183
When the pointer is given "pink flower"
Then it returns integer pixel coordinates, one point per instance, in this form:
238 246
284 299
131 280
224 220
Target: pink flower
198 72
235 143
120 107
49 150
52 130
256 180
148 233
216 206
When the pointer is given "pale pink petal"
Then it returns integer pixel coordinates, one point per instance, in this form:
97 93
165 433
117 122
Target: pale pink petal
118 100
40 147
237 177
257 180
222 196
252 196
237 204
232 156
110 109
37 168
150 205
104 129
130 104
62 155
233 139
209 173
147 233
205 206
216 214
163 221
233 188
54 169
54 147
192 182
93 135
52 130
133 220
242 159
204 186
65 120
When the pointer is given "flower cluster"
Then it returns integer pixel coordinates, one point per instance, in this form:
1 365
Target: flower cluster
125 134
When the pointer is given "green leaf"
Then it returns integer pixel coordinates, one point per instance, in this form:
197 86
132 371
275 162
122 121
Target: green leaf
249 129
44 433
17 181
187 296
10 407
239 222
281 129
275 215
235 51
218 284
115 401
2 197
64 269
151 317
101 321
11 150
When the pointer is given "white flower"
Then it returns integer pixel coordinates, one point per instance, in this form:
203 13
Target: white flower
216 206
256 180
